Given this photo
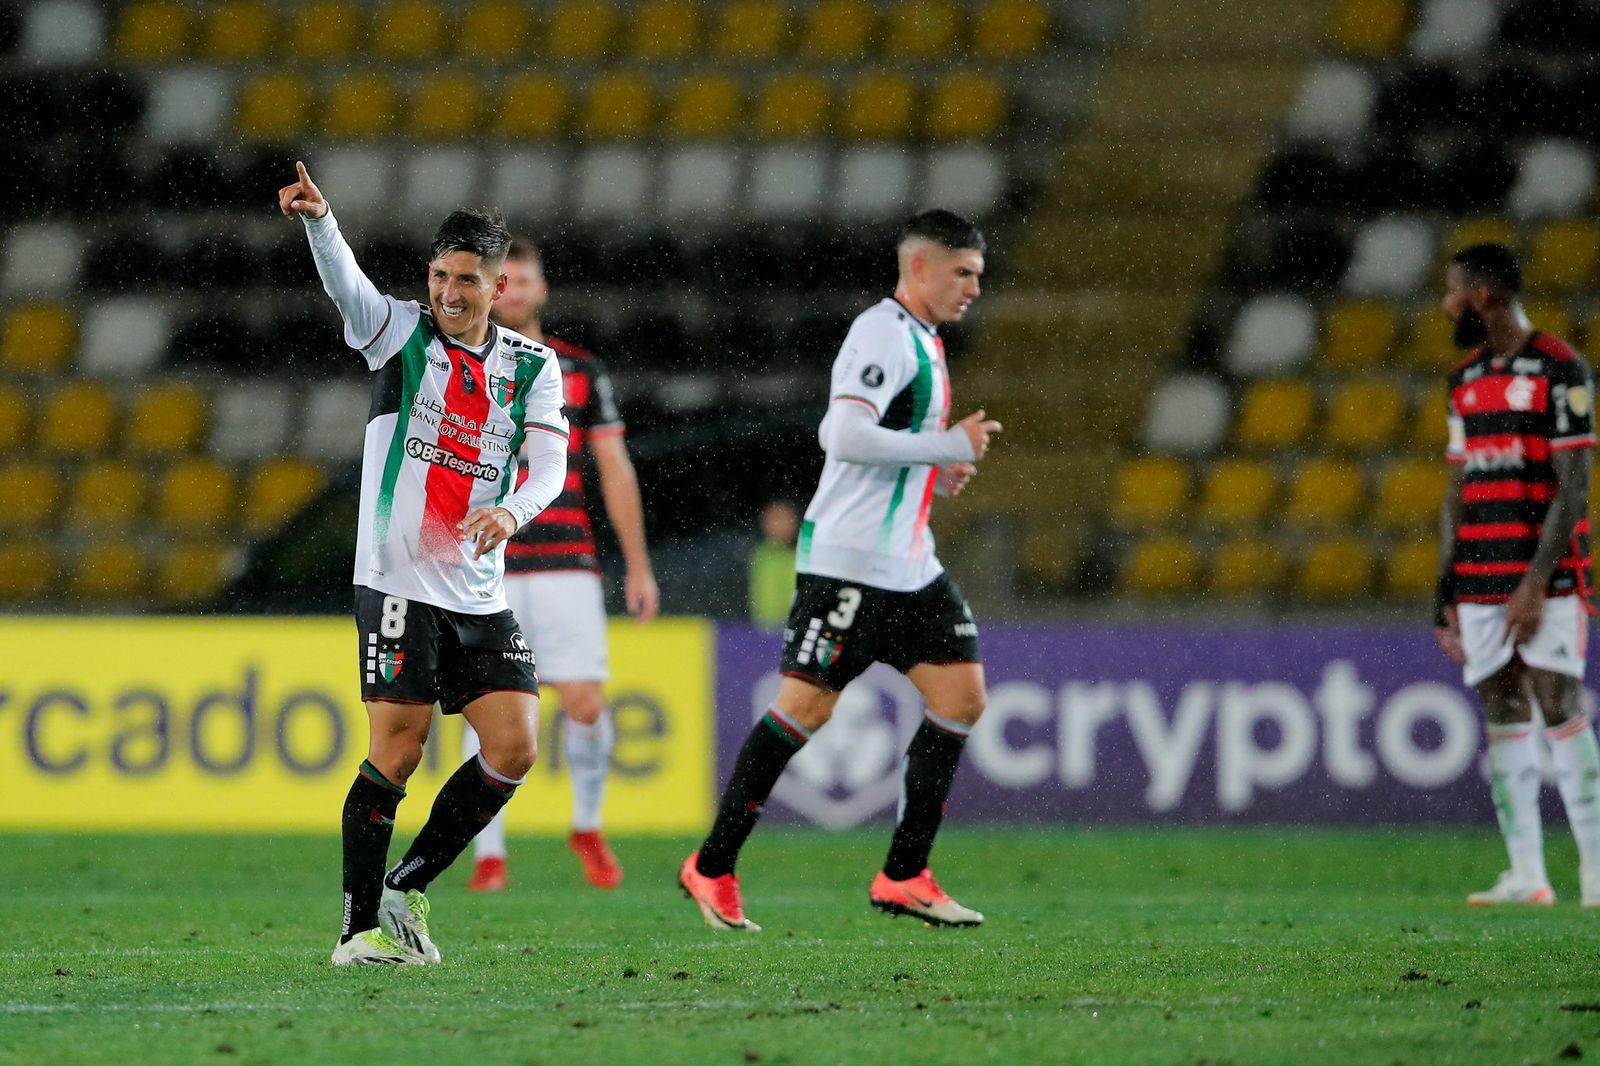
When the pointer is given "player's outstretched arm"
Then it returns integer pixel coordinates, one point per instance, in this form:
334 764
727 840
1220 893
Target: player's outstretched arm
365 310
619 486
851 433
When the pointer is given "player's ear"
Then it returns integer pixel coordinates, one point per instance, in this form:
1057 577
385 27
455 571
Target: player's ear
499 285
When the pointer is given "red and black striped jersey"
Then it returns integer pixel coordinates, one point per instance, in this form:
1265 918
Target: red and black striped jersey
1508 416
562 537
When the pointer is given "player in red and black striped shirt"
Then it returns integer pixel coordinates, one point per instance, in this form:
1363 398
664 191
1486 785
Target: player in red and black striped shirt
1514 569
553 579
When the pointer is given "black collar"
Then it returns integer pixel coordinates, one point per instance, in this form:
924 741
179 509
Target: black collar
932 331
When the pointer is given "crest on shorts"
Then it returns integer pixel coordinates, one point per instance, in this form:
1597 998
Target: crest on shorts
503 389
390 663
828 651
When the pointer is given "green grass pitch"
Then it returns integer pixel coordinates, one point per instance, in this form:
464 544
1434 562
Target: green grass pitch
1125 946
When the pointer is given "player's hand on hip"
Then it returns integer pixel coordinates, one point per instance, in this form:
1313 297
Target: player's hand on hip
643 595
1524 612
303 198
1450 637
490 527
979 429
954 478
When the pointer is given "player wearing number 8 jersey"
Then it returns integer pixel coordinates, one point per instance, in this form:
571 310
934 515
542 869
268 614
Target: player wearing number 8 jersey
869 586
458 405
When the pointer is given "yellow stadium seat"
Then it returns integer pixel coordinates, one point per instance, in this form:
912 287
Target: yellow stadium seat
193 573
1151 491
153 31
326 29
1430 348
581 29
167 420
1247 567
409 29
879 106
79 420
195 494
1371 27
532 107
665 29
38 339
1430 427
1011 29
1366 413
1413 569
1275 414
361 105
239 30
1359 335
620 107
751 29
1237 494
29 493
967 106
1549 318
1410 494
1479 229
1325 492
1564 256
707 105
923 29
494 29
1337 569
447 106
27 570
279 489
107 496
275 106
838 29
1162 566
794 105
15 422
108 572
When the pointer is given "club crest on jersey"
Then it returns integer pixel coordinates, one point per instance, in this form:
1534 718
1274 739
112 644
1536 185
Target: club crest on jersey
872 375
1519 394
503 390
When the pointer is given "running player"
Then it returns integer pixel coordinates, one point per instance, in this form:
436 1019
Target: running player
553 582
455 402
869 587
1514 571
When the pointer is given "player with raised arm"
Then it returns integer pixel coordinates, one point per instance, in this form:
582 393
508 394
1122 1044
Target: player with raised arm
1514 570
553 582
458 404
869 586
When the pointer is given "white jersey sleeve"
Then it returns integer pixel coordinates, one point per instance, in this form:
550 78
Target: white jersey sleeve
873 365
544 447
374 324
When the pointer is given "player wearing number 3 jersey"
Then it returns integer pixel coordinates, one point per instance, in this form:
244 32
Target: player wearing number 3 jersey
869 586
458 406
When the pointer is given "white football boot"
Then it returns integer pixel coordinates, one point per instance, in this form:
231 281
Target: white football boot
1508 891
405 917
374 948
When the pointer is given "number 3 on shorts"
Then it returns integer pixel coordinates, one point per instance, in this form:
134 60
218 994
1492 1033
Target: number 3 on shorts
394 617
842 616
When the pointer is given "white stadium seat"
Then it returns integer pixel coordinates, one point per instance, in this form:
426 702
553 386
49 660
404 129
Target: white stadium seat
124 336
1335 103
1555 179
968 179
334 414
63 31
1273 334
700 182
435 181
41 257
249 421
788 182
1392 257
189 105
612 182
874 182
528 182
1455 29
357 181
1188 416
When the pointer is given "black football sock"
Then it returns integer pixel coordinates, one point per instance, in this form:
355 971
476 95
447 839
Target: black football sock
467 802
770 746
930 767
368 825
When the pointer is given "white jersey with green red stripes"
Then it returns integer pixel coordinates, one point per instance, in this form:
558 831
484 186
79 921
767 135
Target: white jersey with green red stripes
869 522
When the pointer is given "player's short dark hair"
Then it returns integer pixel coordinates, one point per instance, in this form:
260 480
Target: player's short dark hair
480 231
944 228
1494 265
523 250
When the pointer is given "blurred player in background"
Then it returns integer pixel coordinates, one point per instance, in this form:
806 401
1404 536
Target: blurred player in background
553 581
456 400
1513 603
869 587
771 588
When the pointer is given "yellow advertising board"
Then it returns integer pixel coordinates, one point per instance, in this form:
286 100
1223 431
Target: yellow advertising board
257 725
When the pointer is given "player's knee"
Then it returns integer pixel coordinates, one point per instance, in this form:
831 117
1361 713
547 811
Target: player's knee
513 756
583 704
966 708
398 758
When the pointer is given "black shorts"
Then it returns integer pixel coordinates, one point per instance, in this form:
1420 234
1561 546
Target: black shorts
413 652
838 628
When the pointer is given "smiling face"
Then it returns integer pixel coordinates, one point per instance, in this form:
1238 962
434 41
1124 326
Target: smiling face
462 289
943 280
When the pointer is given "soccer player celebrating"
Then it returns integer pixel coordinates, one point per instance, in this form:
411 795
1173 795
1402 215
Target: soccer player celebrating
1514 570
869 586
456 400
553 582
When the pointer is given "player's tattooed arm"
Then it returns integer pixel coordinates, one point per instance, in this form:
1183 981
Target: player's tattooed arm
1574 473
1446 626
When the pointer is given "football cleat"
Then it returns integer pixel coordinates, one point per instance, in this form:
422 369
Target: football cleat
490 875
600 866
1509 892
718 897
405 917
921 897
374 948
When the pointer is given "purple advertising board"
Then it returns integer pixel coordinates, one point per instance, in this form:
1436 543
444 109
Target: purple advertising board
1227 725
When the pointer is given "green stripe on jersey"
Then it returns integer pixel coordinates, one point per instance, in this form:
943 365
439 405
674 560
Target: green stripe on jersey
413 357
803 548
922 399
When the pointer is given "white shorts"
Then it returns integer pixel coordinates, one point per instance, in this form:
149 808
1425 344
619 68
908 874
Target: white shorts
563 615
1560 646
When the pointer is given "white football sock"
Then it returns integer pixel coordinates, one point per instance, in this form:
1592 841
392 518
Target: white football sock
1514 782
1576 755
589 760
490 843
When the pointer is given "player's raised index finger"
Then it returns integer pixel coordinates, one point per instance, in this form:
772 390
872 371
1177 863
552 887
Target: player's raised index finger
300 168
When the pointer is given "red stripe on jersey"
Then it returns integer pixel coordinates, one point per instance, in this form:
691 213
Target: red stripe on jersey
921 529
1502 392
1535 449
1506 491
1498 531
576 516
526 550
449 492
1501 569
